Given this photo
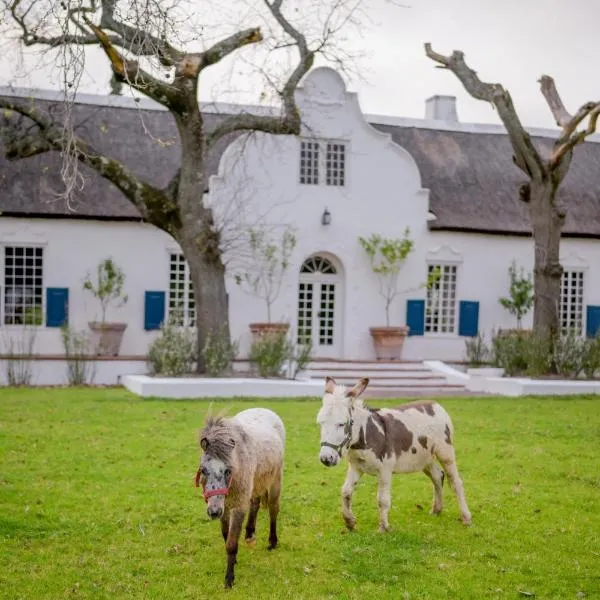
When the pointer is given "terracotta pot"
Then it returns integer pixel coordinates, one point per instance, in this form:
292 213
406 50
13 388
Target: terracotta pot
107 337
260 329
388 341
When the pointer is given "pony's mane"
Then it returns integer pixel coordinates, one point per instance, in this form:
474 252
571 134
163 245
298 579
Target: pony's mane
220 435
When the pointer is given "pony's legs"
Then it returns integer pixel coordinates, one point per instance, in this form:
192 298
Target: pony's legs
273 503
446 455
231 545
435 473
384 499
225 524
251 522
352 478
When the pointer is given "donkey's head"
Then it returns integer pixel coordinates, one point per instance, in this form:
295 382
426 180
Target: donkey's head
335 419
216 465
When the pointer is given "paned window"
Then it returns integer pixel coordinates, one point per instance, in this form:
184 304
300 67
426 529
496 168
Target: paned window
335 164
23 285
309 162
182 306
440 309
571 302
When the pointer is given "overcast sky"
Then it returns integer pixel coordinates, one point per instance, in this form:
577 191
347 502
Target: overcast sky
512 42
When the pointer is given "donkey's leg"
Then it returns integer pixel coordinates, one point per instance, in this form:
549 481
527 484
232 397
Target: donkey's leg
435 473
225 524
384 498
251 522
446 455
352 478
273 503
231 545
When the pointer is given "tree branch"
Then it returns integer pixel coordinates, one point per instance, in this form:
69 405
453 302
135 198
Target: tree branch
130 72
221 49
154 204
290 122
526 157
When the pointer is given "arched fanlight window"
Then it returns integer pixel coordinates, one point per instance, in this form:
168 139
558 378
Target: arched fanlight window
318 264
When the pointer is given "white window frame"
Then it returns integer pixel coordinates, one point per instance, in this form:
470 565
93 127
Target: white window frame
189 315
323 177
570 272
432 264
3 284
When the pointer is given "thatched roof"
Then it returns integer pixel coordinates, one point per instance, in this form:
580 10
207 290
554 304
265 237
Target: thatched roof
143 138
472 181
474 184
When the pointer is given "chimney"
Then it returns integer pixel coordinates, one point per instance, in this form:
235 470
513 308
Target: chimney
441 108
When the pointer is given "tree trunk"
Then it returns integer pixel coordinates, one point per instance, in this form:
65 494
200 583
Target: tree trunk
208 280
546 222
199 239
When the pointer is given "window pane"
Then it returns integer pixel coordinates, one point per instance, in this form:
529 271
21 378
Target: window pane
309 162
440 306
182 307
23 285
335 164
571 302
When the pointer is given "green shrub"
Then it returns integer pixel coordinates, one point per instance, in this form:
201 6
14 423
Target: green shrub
219 352
591 357
508 352
477 351
270 352
77 345
301 357
173 352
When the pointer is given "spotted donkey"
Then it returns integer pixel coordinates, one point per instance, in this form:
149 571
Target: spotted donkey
384 441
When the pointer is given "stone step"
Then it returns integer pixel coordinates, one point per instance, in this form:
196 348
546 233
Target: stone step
430 380
360 366
354 375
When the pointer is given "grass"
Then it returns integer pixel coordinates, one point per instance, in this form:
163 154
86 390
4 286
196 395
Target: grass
97 501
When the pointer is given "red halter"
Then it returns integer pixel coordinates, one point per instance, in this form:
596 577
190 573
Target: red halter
200 480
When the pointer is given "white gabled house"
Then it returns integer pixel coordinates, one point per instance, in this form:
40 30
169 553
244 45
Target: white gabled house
347 175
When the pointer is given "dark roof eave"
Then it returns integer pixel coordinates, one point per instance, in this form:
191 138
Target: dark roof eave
482 230
68 216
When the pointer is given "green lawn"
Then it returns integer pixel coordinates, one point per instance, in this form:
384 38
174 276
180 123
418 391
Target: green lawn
97 501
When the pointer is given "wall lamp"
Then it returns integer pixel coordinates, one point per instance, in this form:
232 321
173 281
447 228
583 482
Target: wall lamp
326 217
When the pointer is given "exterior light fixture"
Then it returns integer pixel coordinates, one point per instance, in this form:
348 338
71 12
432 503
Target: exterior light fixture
326 217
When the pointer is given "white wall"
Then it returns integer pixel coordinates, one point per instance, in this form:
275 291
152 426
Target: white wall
72 248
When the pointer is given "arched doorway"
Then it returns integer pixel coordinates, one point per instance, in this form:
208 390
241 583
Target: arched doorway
319 304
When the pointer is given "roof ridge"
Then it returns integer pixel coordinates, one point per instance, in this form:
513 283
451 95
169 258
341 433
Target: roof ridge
144 103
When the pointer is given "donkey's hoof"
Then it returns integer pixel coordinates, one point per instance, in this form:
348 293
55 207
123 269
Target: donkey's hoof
350 524
228 583
384 529
435 511
251 541
466 520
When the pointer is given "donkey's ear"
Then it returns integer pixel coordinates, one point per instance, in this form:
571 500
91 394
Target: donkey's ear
204 443
358 389
232 442
329 385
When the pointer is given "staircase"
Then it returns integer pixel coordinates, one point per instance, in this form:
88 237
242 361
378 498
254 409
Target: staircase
387 379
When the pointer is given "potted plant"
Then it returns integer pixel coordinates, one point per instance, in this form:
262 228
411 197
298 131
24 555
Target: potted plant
108 288
269 260
387 256
520 298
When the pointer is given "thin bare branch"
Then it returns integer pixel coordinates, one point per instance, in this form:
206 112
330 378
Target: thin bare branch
526 157
289 122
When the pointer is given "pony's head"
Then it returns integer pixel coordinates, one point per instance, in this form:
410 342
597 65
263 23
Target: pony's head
335 419
216 468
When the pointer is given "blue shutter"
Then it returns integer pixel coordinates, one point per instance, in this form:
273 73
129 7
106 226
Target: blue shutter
57 307
154 310
468 318
592 326
415 316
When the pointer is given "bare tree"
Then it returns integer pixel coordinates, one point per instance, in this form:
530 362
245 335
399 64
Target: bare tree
545 175
137 39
